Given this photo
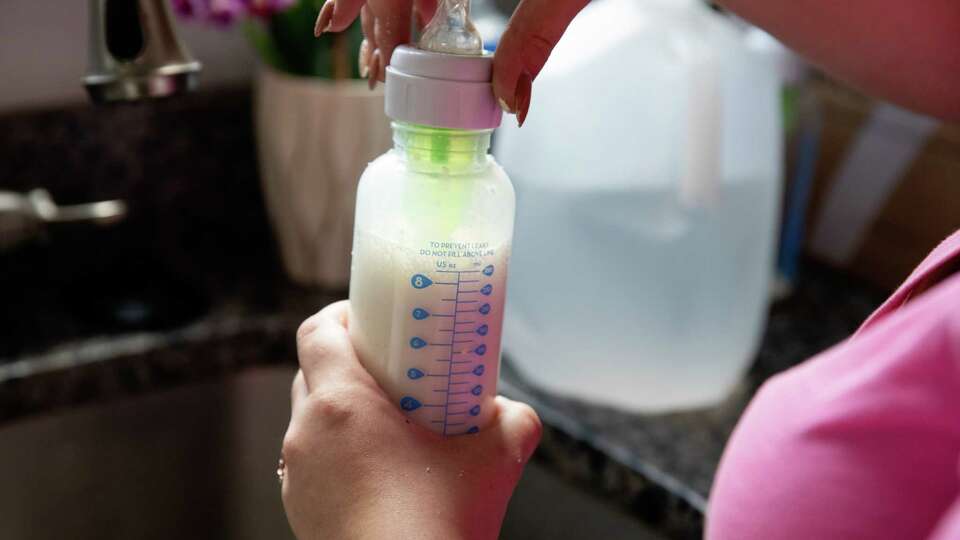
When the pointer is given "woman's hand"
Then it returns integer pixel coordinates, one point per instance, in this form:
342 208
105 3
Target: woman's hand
534 30
356 467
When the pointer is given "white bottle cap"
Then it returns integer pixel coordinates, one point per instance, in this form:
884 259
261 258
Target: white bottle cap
441 90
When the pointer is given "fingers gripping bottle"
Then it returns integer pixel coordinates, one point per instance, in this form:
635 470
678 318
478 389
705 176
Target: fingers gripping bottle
434 225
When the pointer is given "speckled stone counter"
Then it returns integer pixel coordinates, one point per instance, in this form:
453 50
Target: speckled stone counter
190 288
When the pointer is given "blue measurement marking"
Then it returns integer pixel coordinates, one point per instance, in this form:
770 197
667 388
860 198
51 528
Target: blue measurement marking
450 357
410 404
453 388
473 430
420 281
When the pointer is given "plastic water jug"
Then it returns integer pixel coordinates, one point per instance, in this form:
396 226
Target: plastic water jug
648 178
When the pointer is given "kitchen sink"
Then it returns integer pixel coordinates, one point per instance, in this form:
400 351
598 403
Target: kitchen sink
199 461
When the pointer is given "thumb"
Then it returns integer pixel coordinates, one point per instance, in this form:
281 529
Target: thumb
521 426
533 32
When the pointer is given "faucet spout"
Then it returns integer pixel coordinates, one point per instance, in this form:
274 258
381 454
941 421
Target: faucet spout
135 52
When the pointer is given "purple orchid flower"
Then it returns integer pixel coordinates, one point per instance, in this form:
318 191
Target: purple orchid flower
225 12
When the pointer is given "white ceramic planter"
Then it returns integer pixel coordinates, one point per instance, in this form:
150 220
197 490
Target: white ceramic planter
314 138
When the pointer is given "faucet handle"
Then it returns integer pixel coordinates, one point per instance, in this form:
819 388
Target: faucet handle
23 216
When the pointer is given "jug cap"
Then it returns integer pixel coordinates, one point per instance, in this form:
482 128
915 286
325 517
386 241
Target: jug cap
441 89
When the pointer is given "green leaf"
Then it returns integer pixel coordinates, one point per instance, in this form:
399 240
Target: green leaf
286 42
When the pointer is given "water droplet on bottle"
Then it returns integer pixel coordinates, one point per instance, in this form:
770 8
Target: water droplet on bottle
481 350
420 314
418 343
485 309
477 390
475 410
473 430
410 404
415 373
478 371
487 290
488 271
483 330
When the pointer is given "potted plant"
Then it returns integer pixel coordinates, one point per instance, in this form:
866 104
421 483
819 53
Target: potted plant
317 127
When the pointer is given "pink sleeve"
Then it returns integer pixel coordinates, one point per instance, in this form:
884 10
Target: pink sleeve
862 441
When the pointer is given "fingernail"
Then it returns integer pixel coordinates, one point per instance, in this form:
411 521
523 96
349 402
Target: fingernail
364 59
374 69
323 20
503 105
522 99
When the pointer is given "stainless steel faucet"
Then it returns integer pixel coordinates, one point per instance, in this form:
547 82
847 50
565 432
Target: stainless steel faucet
135 52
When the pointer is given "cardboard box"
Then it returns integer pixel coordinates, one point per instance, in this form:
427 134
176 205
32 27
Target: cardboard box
921 206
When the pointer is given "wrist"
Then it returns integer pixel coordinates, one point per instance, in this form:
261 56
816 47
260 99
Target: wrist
435 509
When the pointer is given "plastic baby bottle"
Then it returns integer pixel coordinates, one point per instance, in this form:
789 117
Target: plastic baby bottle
434 225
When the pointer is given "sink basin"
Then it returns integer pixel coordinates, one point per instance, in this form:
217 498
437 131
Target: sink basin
199 462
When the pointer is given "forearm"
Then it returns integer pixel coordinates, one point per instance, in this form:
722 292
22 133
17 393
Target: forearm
906 52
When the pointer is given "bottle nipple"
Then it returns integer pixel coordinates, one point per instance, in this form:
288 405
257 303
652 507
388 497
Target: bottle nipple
451 30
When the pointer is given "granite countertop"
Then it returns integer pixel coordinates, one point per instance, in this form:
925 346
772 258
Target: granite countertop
190 288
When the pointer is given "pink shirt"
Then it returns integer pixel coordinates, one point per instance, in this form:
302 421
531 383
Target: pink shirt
863 440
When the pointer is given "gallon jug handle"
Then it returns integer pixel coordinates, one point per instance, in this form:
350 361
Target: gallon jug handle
699 185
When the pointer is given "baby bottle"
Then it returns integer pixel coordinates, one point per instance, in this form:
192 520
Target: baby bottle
433 230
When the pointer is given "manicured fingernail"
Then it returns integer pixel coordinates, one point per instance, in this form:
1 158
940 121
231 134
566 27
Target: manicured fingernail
323 20
364 59
374 69
522 99
503 105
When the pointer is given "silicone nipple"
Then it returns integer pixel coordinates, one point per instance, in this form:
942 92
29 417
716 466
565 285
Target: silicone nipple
451 30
